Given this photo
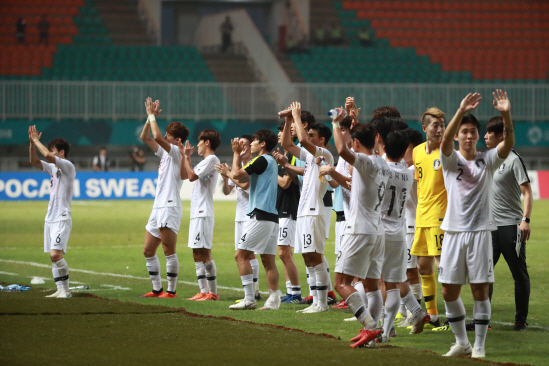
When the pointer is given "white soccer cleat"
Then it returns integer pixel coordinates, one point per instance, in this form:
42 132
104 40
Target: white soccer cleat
306 309
352 319
316 309
478 352
55 294
458 350
244 305
64 295
273 301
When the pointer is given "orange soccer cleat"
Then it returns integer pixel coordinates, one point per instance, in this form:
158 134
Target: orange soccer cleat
167 295
366 336
154 293
197 296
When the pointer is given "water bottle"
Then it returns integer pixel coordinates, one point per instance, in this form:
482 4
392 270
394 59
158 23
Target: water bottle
333 113
83 287
15 288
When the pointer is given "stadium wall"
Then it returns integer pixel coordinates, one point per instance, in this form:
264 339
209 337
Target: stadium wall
142 185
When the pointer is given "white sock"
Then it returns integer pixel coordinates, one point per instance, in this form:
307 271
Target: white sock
63 274
312 284
402 308
322 280
288 287
255 270
330 288
359 287
455 311
153 265
392 302
411 304
375 304
172 268
211 276
296 290
416 290
360 310
248 284
201 276
482 311
55 273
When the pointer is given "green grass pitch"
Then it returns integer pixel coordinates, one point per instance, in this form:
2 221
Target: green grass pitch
105 252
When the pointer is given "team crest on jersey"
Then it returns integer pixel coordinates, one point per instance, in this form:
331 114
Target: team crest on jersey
436 164
501 168
480 163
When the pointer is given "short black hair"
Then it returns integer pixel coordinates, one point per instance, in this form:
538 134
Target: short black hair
281 126
383 125
212 136
365 133
60 144
346 122
323 131
386 111
469 118
270 138
414 136
250 138
307 117
495 125
396 144
399 124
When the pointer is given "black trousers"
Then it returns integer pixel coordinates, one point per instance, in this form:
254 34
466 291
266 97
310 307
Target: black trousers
504 243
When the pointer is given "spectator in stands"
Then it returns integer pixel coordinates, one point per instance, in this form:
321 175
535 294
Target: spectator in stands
138 159
21 26
226 29
44 28
364 37
320 37
101 162
336 36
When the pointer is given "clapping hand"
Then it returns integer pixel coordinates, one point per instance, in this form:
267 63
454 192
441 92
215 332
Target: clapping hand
223 169
33 134
237 147
280 157
189 149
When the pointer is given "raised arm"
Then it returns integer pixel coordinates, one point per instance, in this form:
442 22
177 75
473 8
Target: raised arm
302 135
227 189
240 176
503 106
187 152
146 136
34 136
153 111
32 152
468 104
182 169
286 139
342 149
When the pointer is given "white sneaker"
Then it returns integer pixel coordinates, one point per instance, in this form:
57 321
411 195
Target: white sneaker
458 350
353 319
55 294
478 352
244 305
64 295
306 309
273 301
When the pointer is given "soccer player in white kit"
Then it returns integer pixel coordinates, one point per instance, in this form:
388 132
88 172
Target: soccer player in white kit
202 221
467 253
310 224
362 248
58 225
398 188
165 218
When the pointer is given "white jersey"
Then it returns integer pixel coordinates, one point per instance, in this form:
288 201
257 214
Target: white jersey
469 187
169 180
62 182
398 188
203 188
370 176
242 199
343 169
411 206
311 201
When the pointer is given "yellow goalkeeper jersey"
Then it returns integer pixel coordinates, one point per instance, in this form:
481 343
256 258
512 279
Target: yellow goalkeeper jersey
431 193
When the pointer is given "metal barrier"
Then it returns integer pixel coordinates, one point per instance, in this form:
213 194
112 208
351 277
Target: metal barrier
250 101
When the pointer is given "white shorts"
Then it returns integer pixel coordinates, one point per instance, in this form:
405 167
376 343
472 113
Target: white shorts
259 237
201 233
394 263
164 217
310 234
328 219
411 259
467 255
286 231
339 233
361 255
56 235
238 229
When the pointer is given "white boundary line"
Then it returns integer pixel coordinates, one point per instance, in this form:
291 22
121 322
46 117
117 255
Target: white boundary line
40 265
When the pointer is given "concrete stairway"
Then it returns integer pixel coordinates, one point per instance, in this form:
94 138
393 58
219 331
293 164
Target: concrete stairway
230 68
122 22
